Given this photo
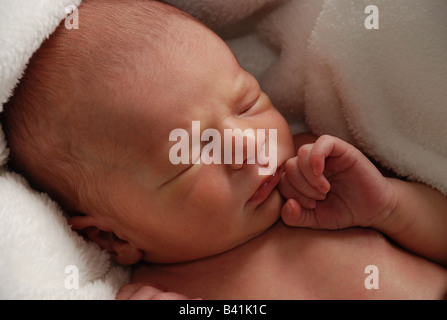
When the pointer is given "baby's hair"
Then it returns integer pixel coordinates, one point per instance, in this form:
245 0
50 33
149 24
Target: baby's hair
52 104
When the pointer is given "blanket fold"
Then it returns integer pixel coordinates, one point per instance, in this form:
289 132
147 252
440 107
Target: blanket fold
383 89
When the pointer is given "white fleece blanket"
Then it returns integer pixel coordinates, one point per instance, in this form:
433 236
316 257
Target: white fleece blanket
40 256
383 90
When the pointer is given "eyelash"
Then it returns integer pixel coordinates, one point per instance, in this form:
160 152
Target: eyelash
179 174
250 106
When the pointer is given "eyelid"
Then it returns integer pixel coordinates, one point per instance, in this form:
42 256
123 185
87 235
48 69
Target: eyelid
192 162
249 105
178 174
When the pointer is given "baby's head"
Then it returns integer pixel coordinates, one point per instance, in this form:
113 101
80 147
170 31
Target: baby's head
90 125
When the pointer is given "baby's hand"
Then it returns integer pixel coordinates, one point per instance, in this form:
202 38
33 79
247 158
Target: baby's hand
332 185
147 291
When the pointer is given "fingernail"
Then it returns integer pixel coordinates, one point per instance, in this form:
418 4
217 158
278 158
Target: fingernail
326 187
287 208
321 196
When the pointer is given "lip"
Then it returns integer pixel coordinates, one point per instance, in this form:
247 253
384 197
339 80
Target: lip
266 188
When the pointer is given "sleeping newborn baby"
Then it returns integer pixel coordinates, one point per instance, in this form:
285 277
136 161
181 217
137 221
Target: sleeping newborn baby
90 123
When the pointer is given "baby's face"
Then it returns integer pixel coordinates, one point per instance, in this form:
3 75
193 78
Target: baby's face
189 211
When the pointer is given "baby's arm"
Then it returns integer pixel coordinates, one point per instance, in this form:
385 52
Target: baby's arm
419 220
411 214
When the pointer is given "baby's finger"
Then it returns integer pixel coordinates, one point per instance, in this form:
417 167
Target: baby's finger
297 180
171 296
294 215
138 291
318 182
291 213
327 146
289 192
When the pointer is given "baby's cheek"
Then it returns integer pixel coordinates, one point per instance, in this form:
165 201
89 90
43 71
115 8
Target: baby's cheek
210 193
270 211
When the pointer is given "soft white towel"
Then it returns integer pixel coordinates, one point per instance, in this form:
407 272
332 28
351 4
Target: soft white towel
381 89
41 257
384 90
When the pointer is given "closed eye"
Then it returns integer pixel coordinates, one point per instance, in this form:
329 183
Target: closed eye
249 106
184 170
192 162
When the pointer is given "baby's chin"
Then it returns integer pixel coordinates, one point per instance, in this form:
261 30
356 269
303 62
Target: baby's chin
272 208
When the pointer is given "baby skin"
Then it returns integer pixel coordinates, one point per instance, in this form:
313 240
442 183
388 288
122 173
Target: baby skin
329 185
101 106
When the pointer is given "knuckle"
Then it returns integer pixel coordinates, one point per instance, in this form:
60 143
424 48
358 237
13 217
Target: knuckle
304 150
290 165
326 137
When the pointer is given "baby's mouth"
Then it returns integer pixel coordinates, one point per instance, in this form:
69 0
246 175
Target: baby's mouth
266 188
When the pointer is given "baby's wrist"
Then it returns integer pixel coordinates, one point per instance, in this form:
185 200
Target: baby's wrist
390 219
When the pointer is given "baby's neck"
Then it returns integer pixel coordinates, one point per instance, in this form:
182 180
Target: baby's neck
218 271
295 263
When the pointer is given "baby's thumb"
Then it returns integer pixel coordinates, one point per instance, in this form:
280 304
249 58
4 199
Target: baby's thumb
294 215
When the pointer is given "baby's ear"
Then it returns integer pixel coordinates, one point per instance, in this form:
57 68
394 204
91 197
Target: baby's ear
122 251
